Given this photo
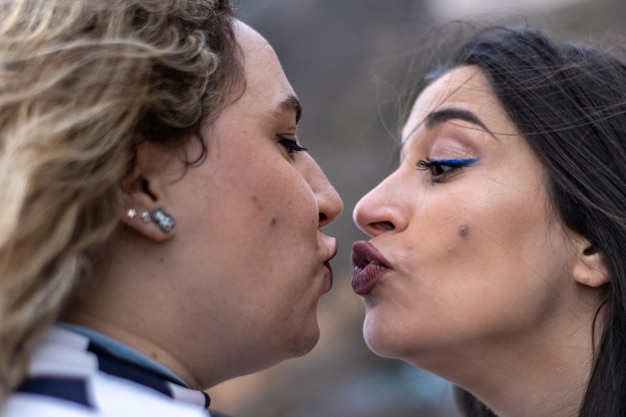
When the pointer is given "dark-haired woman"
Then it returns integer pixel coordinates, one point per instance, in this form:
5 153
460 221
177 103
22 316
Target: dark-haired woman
497 251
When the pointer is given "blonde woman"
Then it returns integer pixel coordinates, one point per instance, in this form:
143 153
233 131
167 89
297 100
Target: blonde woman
161 224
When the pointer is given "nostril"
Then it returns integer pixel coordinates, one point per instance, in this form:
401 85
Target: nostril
383 226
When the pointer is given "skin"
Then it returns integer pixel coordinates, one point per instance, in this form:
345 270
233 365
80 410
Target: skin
488 289
234 287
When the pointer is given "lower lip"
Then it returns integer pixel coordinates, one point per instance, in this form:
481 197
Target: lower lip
364 280
330 274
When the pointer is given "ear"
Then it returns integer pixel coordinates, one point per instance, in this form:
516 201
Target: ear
144 193
589 268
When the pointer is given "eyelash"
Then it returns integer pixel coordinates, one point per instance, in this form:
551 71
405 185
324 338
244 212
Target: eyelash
291 146
440 169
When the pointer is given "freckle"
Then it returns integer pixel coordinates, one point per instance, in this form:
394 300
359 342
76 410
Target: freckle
463 230
256 202
272 222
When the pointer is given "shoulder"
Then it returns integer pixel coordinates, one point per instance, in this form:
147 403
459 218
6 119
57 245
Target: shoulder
65 380
107 398
35 405
116 397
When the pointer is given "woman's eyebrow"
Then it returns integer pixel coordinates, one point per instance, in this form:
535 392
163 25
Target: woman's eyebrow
291 104
441 116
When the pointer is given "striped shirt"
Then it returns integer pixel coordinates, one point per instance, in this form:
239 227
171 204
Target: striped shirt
71 375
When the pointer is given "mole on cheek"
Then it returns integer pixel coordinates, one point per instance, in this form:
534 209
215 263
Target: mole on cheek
463 230
272 222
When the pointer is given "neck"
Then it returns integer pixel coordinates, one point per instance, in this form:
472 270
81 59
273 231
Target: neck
541 376
132 339
136 298
545 381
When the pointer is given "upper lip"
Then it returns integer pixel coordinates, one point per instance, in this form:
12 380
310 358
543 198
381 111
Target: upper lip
364 253
333 253
327 265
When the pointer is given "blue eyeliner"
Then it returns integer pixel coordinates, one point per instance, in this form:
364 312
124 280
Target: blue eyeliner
453 162
441 168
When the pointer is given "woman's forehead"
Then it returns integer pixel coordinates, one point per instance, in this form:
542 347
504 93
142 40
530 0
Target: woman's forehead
463 86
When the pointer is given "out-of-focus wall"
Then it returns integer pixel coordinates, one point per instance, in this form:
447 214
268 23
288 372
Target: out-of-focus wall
341 58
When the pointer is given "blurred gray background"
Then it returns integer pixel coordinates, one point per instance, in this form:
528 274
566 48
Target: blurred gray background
345 59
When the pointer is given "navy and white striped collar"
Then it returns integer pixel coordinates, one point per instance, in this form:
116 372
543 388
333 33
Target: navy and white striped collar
54 364
122 351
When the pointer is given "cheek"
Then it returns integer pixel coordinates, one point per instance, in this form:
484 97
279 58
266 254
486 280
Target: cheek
509 264
483 252
290 214
268 218
276 204
291 207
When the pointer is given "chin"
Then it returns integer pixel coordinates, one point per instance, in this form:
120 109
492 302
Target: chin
292 341
305 342
271 354
381 342
378 346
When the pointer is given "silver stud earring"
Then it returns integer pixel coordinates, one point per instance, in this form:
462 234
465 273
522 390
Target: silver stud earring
131 213
145 216
165 222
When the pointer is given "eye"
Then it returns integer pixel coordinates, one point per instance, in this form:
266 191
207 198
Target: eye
291 146
440 169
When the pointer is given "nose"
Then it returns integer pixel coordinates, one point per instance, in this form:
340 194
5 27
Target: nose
329 202
382 209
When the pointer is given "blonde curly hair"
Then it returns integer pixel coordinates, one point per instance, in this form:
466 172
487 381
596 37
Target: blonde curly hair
81 83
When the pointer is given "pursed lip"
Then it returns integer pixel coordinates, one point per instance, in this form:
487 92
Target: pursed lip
327 263
368 267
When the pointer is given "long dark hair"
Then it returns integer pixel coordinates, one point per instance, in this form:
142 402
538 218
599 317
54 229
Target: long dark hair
569 102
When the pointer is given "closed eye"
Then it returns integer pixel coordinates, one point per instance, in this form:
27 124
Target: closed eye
291 146
440 169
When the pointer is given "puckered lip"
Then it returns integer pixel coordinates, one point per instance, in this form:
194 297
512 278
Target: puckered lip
327 262
364 253
368 267
333 251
